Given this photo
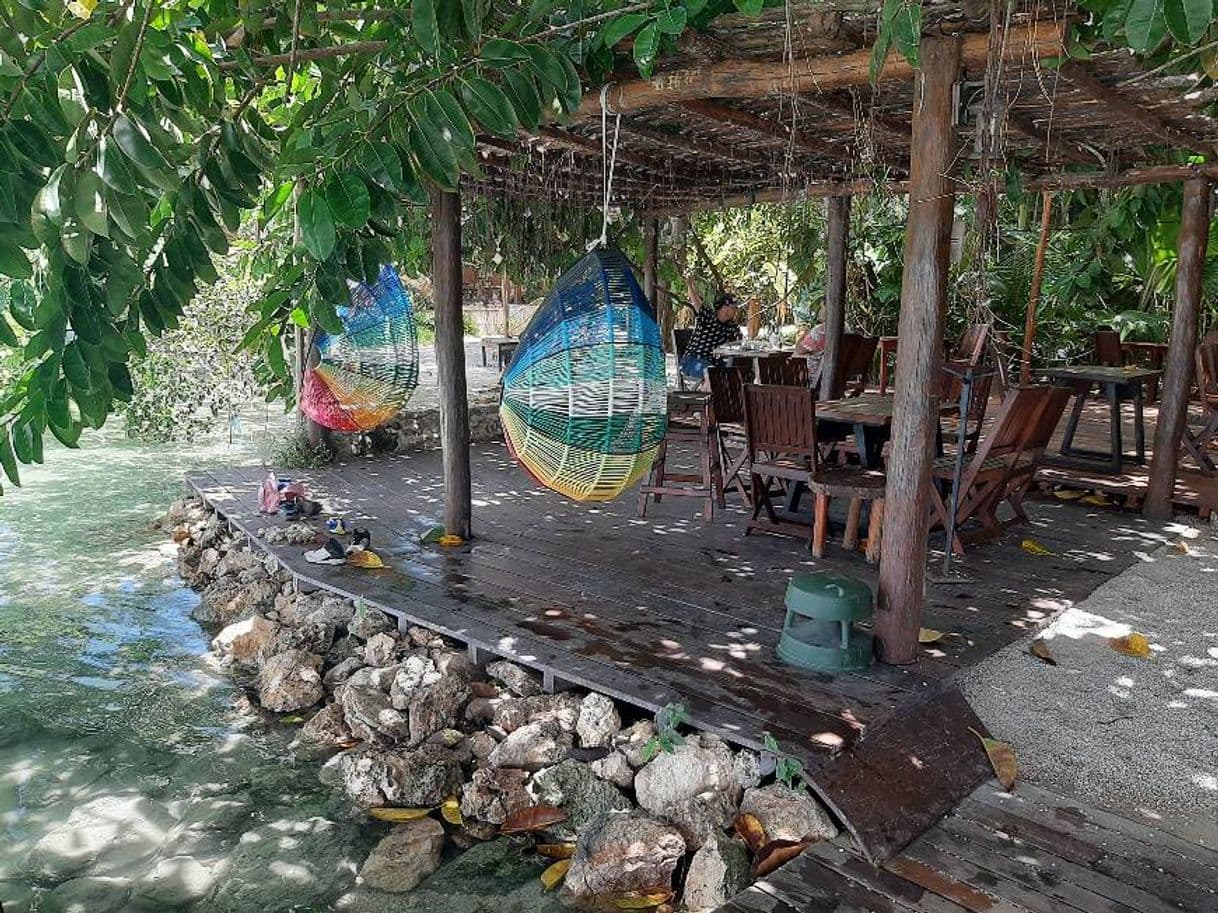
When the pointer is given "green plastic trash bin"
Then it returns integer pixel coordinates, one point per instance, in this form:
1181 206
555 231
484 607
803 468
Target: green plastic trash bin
820 632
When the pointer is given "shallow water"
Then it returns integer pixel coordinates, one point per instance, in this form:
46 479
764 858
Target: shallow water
127 778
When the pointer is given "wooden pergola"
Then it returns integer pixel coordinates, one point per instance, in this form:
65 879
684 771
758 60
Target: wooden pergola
780 107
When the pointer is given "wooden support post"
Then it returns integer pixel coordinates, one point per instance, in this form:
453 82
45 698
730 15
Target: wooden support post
506 303
1038 275
902 585
450 360
651 254
838 214
1178 374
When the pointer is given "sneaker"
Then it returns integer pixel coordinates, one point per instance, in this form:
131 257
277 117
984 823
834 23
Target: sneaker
330 553
337 526
361 538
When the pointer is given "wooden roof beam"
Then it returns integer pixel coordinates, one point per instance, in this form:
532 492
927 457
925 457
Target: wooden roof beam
701 150
780 133
755 78
1123 107
1067 149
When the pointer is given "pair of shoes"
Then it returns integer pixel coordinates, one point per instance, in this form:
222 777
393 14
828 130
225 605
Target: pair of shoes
296 508
332 552
361 538
337 526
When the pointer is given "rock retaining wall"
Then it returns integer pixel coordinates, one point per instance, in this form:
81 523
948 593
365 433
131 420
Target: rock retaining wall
419 429
402 720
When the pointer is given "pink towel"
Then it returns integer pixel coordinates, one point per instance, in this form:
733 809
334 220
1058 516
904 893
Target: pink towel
268 494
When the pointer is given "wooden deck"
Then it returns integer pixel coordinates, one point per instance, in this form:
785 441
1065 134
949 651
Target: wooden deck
1028 852
670 609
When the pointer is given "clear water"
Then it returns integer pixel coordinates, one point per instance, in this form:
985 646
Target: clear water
112 722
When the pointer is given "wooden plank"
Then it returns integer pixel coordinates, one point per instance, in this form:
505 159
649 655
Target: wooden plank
909 895
806 883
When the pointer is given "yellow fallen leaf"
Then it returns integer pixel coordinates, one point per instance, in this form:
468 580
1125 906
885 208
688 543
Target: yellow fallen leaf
929 636
1132 644
1002 759
1067 494
1040 649
398 814
450 811
554 874
1095 500
556 850
1180 546
1032 547
638 900
450 541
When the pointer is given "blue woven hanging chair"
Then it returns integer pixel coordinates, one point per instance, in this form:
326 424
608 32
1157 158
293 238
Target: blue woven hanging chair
585 403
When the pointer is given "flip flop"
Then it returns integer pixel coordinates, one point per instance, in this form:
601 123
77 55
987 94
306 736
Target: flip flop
337 526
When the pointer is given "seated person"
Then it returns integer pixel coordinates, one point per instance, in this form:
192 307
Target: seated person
713 327
812 345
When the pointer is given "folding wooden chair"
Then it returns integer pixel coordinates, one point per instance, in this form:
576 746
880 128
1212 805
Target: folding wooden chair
783 370
1196 443
782 445
1002 467
727 404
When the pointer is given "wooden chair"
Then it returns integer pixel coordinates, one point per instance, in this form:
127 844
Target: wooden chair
1003 465
1196 443
858 352
690 425
680 343
972 344
1107 343
782 445
783 371
727 404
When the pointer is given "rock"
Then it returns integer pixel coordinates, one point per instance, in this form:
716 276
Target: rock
380 650
209 560
493 793
619 853
290 863
748 768
573 786
248 642
290 681
174 882
325 732
228 600
481 710
367 622
405 857
342 671
344 647
238 561
598 721
415 672
695 767
437 706
508 713
450 662
514 678
632 742
361 773
333 612
788 814
105 836
532 747
295 608
615 769
717 872
421 778
702 817
561 708
422 637
310 636
331 773
481 744
89 895
375 678
370 715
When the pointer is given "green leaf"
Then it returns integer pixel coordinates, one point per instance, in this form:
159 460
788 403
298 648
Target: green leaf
14 263
619 28
7 336
426 29
436 159
442 106
316 224
524 98
672 20
907 32
751 7
472 14
1188 19
32 142
382 166
77 241
67 436
21 303
489 106
113 169
1145 25
274 356
7 458
646 46
348 200
90 204
499 52
275 200
547 67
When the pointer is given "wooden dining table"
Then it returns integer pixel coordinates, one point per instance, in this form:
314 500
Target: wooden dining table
869 417
752 351
1118 386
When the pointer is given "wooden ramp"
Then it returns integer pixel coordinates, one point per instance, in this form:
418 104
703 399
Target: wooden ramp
1028 852
671 610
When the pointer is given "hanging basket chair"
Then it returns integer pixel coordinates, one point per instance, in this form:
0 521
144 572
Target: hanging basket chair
359 379
585 398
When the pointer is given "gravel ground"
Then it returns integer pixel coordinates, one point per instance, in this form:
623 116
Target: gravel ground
1138 736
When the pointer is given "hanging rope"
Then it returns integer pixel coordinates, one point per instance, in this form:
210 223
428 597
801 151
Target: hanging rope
608 165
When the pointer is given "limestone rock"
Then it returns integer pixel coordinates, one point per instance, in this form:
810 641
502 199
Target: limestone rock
405 857
333 612
749 769
246 643
451 662
421 778
573 786
361 773
311 636
423 637
717 872
515 678
342 671
561 708
702 817
493 793
238 561
532 747
788 814
416 671
598 721
105 836
228 600
618 853
326 731
174 882
615 769
290 681
481 744
694 767
633 740
380 650
370 715
437 706
367 622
